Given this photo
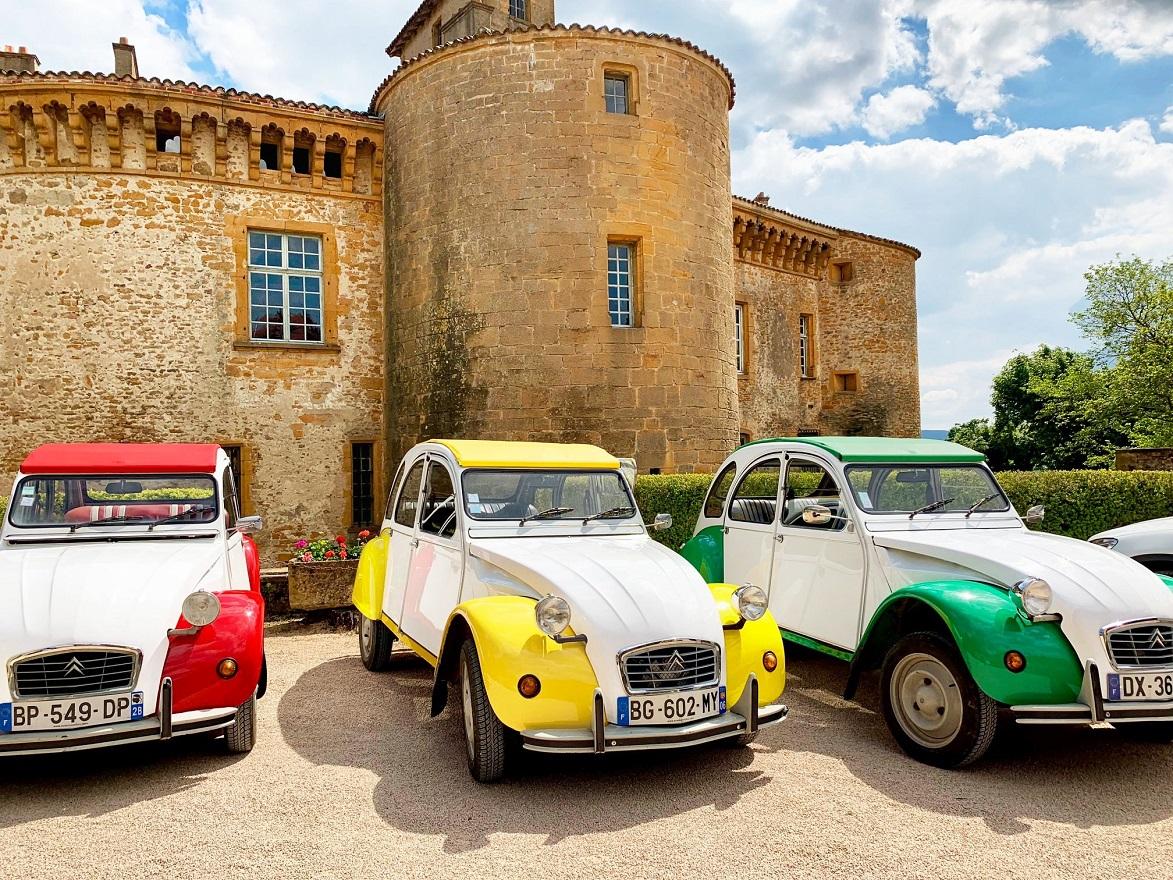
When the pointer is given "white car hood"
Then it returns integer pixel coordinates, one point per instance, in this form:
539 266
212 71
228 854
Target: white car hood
1161 526
1093 587
623 591
128 595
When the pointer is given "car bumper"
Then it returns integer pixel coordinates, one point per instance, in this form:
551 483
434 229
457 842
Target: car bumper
1092 709
745 717
162 726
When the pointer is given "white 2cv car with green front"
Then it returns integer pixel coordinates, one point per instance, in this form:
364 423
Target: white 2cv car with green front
905 555
524 574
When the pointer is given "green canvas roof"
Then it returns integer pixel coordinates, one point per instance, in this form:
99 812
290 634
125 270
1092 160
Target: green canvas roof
897 450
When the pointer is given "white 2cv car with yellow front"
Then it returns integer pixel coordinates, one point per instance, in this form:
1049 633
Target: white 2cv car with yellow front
905 555
524 573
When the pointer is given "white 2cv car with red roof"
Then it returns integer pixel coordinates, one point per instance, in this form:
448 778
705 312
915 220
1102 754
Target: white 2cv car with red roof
130 605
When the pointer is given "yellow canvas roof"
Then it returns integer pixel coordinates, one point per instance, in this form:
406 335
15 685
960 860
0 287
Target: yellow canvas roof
511 454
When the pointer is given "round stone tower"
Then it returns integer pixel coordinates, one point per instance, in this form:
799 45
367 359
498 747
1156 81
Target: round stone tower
559 261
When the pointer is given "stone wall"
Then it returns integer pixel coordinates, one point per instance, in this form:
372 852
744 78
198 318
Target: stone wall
505 181
462 18
1154 459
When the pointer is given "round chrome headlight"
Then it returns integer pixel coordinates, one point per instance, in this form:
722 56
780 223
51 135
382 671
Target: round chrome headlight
1035 595
1106 542
553 615
201 608
750 601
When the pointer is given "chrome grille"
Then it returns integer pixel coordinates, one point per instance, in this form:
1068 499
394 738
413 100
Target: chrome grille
67 672
1149 643
670 666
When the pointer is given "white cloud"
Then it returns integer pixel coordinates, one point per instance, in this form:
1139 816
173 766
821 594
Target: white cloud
901 108
1167 121
1008 225
77 36
956 391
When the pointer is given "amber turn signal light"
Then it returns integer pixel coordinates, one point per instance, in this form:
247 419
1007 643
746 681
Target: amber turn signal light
227 668
529 686
769 661
1014 661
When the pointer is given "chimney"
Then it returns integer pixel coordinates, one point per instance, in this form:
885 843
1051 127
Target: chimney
18 60
762 199
125 62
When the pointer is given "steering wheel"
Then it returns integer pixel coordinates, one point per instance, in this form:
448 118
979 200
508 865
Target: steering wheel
427 518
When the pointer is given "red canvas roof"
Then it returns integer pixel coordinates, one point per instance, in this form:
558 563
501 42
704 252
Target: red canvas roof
122 458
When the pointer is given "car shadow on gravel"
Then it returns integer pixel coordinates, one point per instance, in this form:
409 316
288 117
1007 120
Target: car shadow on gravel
1074 776
100 781
339 714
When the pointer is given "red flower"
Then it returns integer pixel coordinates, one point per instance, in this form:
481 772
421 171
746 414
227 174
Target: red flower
329 554
341 539
343 553
307 557
364 534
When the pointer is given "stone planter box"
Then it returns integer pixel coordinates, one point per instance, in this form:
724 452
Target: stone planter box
315 586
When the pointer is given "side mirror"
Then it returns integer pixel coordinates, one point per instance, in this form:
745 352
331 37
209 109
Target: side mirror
1034 514
817 515
662 522
249 525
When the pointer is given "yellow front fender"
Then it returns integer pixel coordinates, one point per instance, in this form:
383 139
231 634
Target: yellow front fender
367 595
745 648
510 645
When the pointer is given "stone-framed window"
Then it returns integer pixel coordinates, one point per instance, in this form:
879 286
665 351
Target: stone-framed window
519 9
285 287
621 282
806 326
846 381
362 483
617 92
739 311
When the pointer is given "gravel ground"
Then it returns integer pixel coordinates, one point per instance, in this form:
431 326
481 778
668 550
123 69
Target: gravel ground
351 780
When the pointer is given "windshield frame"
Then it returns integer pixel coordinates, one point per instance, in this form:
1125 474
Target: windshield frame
483 521
925 465
211 478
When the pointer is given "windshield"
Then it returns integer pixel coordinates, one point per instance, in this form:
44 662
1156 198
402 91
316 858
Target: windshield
908 488
546 495
94 500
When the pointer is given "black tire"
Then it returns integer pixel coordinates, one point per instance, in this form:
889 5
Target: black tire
484 734
1148 731
943 717
374 643
241 735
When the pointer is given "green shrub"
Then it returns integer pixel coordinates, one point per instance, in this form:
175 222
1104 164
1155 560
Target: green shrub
1079 503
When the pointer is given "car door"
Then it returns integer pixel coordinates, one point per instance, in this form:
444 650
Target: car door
817 579
749 524
437 561
402 541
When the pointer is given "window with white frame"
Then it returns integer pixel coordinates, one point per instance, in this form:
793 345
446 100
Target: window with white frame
621 284
284 287
804 346
739 335
615 93
517 9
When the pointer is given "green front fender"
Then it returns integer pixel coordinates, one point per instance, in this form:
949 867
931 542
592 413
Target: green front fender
985 624
706 552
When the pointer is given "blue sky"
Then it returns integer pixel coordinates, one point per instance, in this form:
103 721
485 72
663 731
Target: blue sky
1015 142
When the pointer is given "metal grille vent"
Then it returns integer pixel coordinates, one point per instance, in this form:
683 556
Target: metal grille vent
671 666
1146 644
71 672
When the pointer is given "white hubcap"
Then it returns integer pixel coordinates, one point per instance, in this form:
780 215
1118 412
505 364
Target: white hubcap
366 635
926 700
466 706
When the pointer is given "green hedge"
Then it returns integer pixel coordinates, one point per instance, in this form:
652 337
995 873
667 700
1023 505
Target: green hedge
1079 503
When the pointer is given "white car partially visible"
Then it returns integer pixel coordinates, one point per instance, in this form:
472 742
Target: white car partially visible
1149 542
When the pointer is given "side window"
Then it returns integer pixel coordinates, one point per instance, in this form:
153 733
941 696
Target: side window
389 513
756 498
439 512
405 508
809 484
231 500
715 503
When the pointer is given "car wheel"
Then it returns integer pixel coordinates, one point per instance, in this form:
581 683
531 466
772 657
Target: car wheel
374 643
933 706
241 735
484 734
1148 731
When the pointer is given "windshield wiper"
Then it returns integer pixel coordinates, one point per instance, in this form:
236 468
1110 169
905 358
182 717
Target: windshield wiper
929 508
105 520
608 514
985 500
546 514
178 517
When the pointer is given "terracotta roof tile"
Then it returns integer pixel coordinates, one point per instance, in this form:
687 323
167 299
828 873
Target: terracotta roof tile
411 28
876 238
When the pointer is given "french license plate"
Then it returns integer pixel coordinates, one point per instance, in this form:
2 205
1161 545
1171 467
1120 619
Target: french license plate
1140 686
29 715
676 707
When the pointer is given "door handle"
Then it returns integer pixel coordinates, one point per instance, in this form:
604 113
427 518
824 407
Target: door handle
415 542
779 538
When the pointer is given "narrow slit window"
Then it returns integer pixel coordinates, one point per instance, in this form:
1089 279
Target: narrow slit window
332 164
616 88
301 160
270 157
739 336
621 284
362 483
804 346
